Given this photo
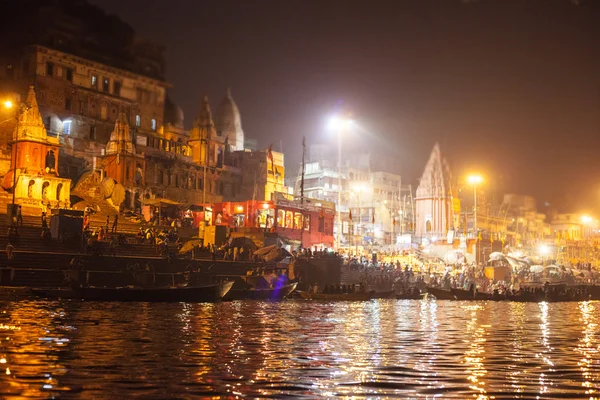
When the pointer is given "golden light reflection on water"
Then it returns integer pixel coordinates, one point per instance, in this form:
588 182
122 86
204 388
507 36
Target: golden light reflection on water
588 347
475 354
380 348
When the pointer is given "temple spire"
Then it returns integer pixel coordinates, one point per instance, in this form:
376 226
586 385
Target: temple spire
31 124
120 139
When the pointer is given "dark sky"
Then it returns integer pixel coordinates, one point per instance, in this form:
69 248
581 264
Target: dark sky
508 87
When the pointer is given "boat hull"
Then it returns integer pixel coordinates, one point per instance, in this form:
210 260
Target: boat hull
390 294
440 294
361 296
261 294
192 294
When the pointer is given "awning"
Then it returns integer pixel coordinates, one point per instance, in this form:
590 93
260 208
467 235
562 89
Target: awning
162 202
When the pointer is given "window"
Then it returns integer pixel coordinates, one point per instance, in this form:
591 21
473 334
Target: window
92 133
103 111
138 120
49 69
298 221
153 124
67 104
69 74
289 218
117 88
105 84
94 81
67 127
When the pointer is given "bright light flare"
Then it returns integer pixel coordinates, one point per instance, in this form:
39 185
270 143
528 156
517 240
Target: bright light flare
475 179
586 219
7 104
337 123
544 249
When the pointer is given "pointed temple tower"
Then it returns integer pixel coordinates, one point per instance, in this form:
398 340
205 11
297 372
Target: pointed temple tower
202 133
35 157
433 201
120 159
228 123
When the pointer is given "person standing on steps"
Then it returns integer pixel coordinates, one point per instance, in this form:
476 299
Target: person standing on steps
114 226
19 216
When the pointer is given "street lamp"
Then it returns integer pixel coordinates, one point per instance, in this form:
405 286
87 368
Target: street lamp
339 125
544 252
475 180
357 190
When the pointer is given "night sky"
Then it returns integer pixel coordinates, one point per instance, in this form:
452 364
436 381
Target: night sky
510 88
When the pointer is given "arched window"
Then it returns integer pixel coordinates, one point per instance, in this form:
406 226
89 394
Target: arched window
45 187
58 191
30 188
428 226
50 160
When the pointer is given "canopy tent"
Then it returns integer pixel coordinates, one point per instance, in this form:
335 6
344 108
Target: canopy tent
536 268
161 202
189 245
272 253
242 241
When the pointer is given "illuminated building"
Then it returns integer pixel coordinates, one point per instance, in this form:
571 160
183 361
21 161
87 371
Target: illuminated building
434 213
35 156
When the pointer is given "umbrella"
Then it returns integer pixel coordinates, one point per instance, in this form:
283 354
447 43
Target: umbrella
189 245
497 256
265 250
242 242
536 268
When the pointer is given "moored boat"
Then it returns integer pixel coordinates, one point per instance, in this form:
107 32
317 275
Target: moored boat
389 294
277 293
194 294
440 294
357 296
410 294
462 294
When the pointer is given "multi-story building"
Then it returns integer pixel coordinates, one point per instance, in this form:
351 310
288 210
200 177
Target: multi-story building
105 102
371 203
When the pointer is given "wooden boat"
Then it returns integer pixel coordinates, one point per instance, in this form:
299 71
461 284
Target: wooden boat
14 292
462 294
440 294
358 296
194 294
278 293
414 294
389 294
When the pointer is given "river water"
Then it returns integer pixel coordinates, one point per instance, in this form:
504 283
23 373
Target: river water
379 348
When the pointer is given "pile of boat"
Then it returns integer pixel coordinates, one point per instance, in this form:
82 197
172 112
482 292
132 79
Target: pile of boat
538 293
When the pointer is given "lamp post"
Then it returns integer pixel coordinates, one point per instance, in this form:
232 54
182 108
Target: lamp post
475 180
339 125
356 190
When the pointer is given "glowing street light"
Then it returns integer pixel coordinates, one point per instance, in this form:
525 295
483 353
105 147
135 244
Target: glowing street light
339 125
475 180
544 250
7 104
586 219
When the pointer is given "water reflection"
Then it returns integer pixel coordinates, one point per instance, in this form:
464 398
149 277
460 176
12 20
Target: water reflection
376 349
